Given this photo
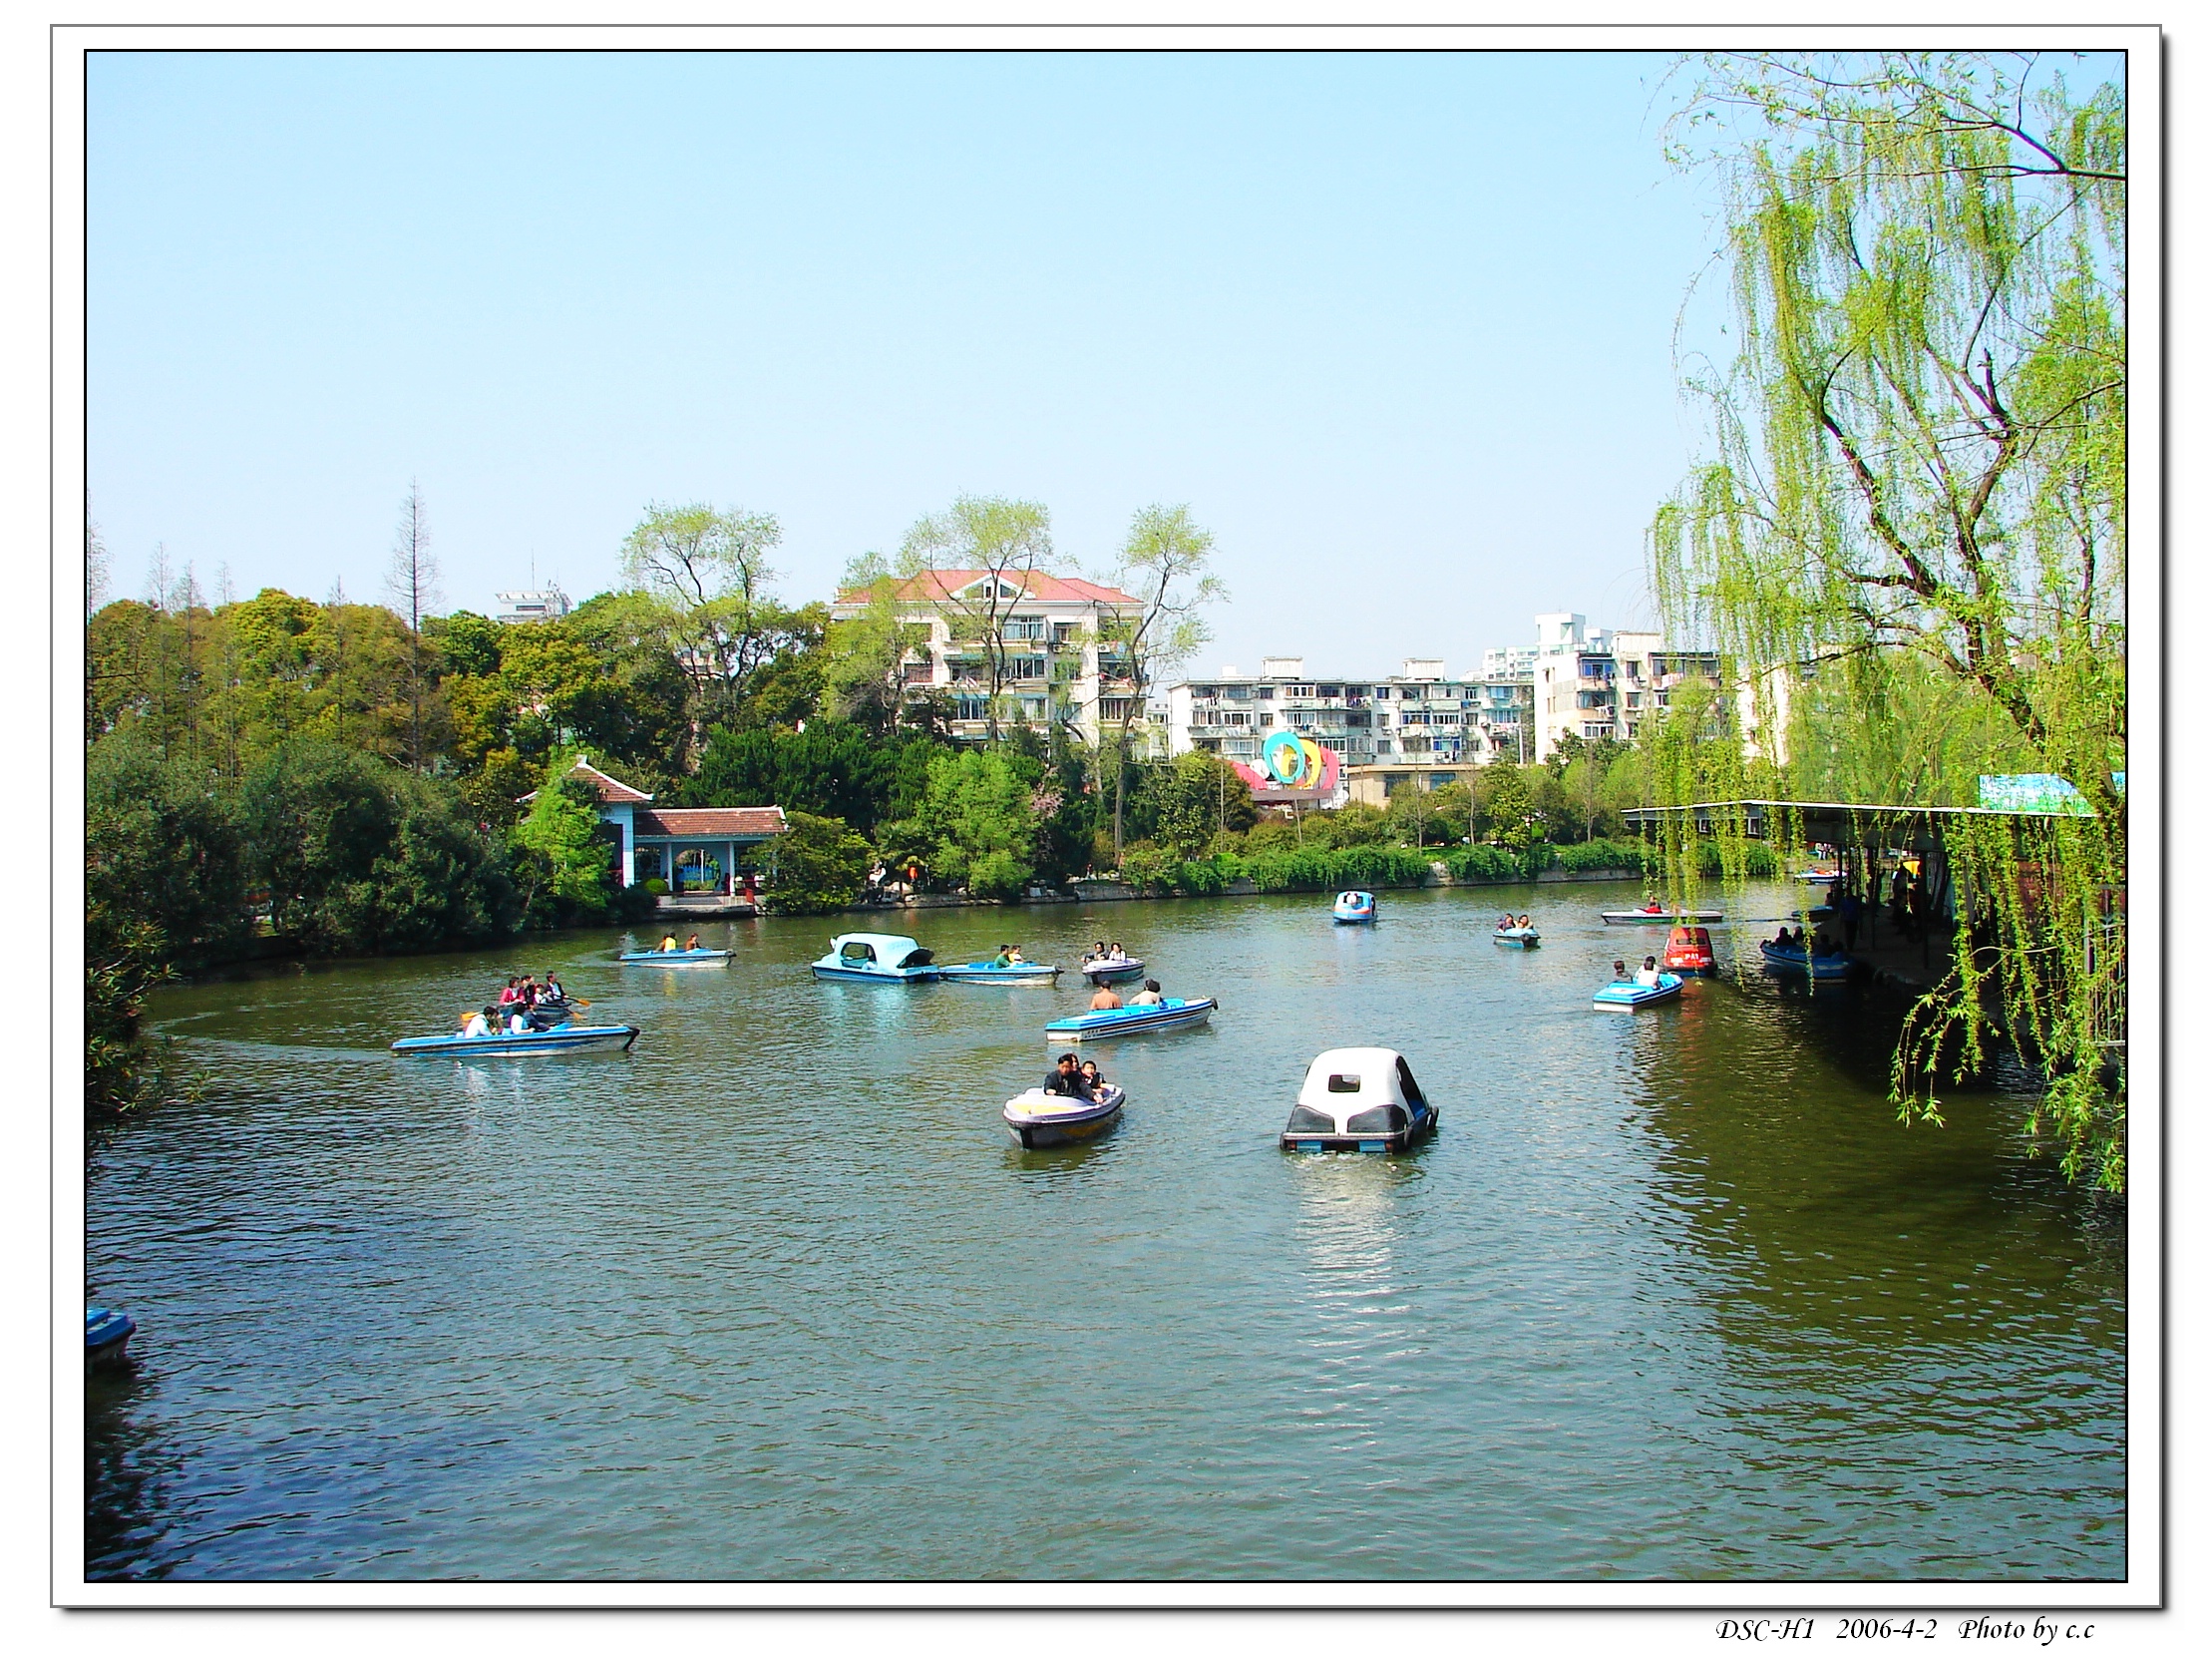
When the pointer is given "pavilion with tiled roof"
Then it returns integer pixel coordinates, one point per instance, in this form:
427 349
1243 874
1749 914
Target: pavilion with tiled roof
693 848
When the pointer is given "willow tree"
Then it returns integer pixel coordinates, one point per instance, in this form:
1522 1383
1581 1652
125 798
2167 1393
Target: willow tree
1918 455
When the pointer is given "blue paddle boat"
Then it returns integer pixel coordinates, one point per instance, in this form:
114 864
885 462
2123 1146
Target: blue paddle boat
672 958
877 958
1174 1013
1359 1098
1825 968
1039 1119
1517 938
1353 908
106 1335
1628 996
998 972
570 1038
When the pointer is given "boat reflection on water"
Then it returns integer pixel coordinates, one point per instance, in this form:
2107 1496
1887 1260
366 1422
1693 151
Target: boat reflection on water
1356 1294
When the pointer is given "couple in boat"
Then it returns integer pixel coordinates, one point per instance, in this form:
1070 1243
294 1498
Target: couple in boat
1507 923
1071 1080
1102 951
668 945
1107 1002
1645 976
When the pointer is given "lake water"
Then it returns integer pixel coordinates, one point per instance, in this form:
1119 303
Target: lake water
1672 1295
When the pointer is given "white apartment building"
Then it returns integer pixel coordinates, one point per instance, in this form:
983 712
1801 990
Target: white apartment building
1417 719
1057 673
545 604
1594 683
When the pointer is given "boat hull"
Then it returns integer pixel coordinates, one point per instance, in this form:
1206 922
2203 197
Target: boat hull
1422 1125
1626 998
107 1335
983 972
1825 969
1517 938
878 975
1039 1120
1129 1021
672 958
1113 971
560 1038
1642 918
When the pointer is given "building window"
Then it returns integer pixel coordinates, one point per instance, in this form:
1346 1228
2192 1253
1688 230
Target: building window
1114 709
1023 627
1593 733
971 708
1026 667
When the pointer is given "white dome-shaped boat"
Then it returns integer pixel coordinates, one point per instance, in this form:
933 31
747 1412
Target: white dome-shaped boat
1359 1098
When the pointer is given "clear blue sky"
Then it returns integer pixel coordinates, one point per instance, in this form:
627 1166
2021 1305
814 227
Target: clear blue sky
1398 328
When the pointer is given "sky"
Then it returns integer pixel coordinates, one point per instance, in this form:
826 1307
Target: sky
1399 328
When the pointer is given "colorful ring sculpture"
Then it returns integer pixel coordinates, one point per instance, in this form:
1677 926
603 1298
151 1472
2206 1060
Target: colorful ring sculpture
1289 760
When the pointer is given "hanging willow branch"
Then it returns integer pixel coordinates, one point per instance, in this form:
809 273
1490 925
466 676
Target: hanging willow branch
1916 492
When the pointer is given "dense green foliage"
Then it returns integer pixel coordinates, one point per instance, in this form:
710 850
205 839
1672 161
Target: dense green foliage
821 866
831 770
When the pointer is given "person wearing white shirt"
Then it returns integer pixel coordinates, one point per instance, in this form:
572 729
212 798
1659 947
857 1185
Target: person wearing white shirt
1647 975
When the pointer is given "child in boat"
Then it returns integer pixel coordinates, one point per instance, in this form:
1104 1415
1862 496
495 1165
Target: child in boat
1149 996
1094 1079
1105 1000
1619 972
1647 975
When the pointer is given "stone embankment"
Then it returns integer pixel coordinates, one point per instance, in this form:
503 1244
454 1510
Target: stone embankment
1114 891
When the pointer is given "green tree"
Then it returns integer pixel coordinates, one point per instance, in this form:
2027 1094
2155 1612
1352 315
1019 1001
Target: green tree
821 866
574 861
864 679
975 561
1196 799
1919 452
979 817
1162 566
163 850
709 572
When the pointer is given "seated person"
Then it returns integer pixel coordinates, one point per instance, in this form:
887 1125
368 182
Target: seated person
1105 1000
1504 920
1006 956
1094 1079
1781 939
480 1023
1523 923
1013 954
1097 952
1065 1080
1115 952
511 994
1149 996
668 943
694 942
1648 975
553 989
1619 972
518 1020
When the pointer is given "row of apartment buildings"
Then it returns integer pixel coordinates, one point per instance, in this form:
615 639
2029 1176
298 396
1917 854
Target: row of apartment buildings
1421 725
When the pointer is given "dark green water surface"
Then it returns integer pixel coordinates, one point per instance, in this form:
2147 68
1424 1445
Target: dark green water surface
1672 1295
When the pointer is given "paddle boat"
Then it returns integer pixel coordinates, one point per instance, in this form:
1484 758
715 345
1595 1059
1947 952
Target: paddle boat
1172 1014
672 958
1353 908
1000 972
106 1335
1517 937
1825 968
1818 874
1113 969
1652 915
1039 1119
570 1038
1690 950
876 958
1359 1099
1625 994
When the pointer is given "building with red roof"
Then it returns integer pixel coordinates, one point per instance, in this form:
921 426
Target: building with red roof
695 849
1057 669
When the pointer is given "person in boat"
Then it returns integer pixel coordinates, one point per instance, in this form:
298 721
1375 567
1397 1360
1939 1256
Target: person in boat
1094 1079
480 1023
1105 1000
1647 975
509 995
1619 972
1504 921
693 943
1523 923
554 992
1652 908
1117 952
1149 996
1097 950
1781 938
1065 1080
668 945
518 1020
1014 956
1006 956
